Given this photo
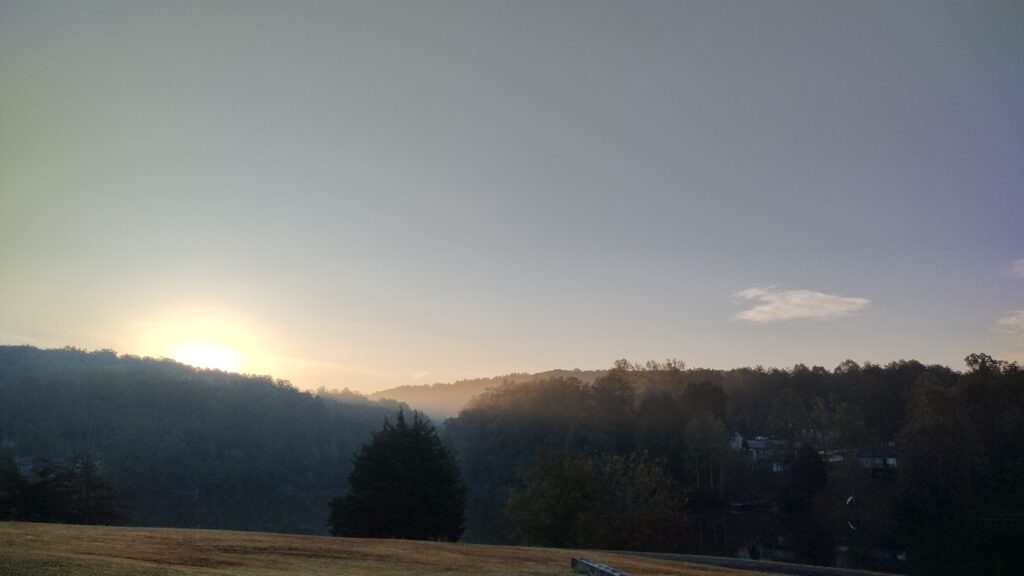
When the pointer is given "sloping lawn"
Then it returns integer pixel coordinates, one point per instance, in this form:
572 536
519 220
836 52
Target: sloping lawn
56 549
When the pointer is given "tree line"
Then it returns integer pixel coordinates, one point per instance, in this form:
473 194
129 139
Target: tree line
537 457
183 447
627 460
73 493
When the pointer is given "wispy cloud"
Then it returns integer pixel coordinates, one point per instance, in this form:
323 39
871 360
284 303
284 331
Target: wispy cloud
1012 323
419 375
1016 269
777 305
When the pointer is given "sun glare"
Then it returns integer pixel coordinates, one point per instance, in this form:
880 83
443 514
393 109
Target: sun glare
207 355
204 337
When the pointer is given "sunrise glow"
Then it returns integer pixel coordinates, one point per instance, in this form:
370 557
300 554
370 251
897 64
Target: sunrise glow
207 355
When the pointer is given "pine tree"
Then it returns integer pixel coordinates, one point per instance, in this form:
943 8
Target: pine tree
404 484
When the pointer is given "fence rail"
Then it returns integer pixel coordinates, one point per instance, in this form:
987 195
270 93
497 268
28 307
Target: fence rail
591 568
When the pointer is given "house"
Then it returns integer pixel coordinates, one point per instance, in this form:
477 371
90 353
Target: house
832 457
880 462
768 454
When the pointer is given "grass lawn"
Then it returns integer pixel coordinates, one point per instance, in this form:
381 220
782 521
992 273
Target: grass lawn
57 549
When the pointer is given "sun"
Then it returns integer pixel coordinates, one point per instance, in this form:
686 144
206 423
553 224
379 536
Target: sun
205 337
207 355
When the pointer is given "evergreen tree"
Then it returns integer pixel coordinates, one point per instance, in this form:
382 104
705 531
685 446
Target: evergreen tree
75 494
91 498
808 473
404 484
11 487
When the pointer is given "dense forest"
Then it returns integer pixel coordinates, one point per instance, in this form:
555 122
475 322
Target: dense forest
441 401
896 467
863 465
181 446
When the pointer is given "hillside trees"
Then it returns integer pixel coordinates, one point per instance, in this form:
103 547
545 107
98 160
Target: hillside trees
557 502
203 448
72 494
961 470
659 412
807 474
404 484
682 419
184 447
789 415
961 442
707 443
604 502
500 434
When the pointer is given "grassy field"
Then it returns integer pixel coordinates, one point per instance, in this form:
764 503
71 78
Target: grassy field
55 549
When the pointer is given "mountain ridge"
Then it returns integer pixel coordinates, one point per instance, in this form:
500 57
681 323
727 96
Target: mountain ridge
445 400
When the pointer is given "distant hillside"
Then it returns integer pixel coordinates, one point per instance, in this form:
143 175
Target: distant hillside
441 401
185 447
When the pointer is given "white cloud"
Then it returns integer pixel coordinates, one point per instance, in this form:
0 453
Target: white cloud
776 305
1016 269
419 375
1012 322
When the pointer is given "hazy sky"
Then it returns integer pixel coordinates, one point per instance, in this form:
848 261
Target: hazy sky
368 194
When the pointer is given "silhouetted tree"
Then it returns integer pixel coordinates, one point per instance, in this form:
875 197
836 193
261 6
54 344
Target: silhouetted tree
807 474
91 498
75 494
11 486
404 484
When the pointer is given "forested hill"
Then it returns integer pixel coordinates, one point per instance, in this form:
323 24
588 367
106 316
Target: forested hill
864 464
442 401
184 447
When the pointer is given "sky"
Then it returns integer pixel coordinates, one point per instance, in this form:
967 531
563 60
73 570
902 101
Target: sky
372 194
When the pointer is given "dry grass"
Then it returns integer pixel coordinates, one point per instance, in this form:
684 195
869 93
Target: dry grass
54 549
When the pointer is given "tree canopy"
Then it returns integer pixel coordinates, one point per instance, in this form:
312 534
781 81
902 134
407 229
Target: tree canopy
72 494
603 502
404 484
184 447
898 455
